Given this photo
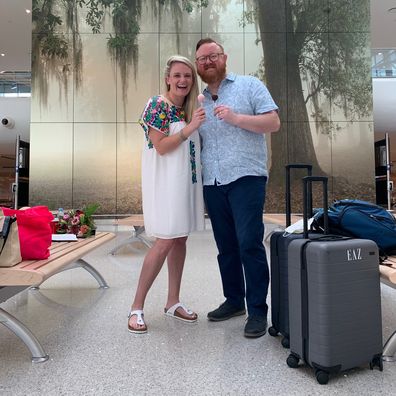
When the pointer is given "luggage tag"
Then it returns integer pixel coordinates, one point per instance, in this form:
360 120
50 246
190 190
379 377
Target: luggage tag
297 227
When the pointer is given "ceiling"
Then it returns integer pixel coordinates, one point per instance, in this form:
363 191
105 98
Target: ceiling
15 43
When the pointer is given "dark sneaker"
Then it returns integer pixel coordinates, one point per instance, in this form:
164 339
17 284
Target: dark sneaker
224 312
256 326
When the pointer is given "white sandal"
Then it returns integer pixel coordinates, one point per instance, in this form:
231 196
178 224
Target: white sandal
172 311
140 321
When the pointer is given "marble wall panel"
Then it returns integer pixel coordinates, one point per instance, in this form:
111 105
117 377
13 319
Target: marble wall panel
51 165
308 77
275 77
267 16
95 97
307 16
353 160
141 83
349 16
130 140
53 89
94 165
222 17
350 76
173 19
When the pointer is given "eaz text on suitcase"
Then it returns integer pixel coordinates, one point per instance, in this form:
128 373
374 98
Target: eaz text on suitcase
354 254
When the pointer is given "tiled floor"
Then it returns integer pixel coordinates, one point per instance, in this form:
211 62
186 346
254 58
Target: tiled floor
84 330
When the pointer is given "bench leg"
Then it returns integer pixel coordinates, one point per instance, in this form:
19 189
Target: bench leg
95 273
388 354
21 331
136 237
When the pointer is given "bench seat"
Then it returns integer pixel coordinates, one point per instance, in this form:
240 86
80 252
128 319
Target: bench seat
32 273
35 272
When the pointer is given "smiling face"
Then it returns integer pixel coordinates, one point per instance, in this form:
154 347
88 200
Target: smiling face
211 71
179 82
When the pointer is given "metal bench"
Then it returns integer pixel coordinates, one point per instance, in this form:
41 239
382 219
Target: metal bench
32 273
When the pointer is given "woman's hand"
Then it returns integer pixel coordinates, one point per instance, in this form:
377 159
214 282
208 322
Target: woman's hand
165 144
198 118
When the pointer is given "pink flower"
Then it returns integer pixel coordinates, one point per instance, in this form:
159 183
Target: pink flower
84 229
75 220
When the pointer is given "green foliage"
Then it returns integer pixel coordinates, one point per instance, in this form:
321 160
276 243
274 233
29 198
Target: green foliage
51 46
88 211
329 41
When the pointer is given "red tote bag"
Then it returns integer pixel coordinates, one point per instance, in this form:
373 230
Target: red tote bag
34 231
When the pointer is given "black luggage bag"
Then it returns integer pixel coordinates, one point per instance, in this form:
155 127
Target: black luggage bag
334 301
279 244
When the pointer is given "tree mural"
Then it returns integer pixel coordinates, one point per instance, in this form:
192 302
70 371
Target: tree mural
312 73
57 43
324 71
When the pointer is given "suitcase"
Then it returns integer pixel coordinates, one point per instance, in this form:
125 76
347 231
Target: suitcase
279 243
334 300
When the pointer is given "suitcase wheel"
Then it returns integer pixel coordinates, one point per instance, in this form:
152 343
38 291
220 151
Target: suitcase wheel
377 361
272 331
285 342
322 377
292 361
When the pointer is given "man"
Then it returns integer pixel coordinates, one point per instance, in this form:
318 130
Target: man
239 112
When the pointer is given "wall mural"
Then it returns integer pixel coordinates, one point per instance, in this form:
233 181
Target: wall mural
95 63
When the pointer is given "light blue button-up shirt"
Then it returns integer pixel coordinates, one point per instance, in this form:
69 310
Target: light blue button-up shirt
230 152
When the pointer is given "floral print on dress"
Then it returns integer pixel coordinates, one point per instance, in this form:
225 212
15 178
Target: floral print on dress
193 163
159 114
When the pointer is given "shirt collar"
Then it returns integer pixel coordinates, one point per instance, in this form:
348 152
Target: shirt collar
229 76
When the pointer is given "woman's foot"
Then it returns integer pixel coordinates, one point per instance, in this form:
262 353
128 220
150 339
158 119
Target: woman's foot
136 323
181 312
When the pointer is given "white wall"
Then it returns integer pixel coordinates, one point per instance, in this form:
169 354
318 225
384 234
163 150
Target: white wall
19 110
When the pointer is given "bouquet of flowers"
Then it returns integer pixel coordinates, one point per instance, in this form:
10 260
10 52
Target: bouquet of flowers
79 222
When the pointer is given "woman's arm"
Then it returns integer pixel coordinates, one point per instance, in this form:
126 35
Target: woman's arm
165 144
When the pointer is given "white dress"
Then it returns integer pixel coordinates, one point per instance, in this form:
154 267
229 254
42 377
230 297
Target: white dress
171 183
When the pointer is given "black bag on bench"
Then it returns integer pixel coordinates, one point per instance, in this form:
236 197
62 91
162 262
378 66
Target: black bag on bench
10 252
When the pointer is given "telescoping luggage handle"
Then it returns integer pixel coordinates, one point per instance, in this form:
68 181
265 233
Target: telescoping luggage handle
288 194
307 188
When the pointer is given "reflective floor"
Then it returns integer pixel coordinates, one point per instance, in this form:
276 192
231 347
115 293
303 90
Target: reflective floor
84 330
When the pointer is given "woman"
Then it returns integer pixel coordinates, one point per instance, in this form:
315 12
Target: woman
171 186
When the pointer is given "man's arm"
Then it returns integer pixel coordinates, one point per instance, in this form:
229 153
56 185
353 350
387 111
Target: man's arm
260 123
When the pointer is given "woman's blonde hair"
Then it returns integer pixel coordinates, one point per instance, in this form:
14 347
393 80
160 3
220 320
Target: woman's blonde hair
190 102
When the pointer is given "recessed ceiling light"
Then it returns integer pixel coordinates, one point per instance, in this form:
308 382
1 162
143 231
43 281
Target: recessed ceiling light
28 11
2 54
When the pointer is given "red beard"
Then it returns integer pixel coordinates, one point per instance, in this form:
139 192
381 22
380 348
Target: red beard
213 74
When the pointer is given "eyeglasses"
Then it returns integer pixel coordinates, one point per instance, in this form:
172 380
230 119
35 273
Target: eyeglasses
212 57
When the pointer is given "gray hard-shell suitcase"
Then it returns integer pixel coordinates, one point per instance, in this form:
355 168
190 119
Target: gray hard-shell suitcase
334 301
279 244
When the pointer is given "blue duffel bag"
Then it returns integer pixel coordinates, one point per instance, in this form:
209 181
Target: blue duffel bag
360 219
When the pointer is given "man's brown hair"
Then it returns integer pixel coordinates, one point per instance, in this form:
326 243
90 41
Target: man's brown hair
207 40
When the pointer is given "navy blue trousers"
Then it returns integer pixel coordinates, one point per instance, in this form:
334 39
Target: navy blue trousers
236 214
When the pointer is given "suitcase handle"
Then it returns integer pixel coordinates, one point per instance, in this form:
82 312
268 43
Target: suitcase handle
288 195
307 187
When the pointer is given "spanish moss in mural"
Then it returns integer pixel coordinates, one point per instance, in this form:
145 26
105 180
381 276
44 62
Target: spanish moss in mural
57 44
